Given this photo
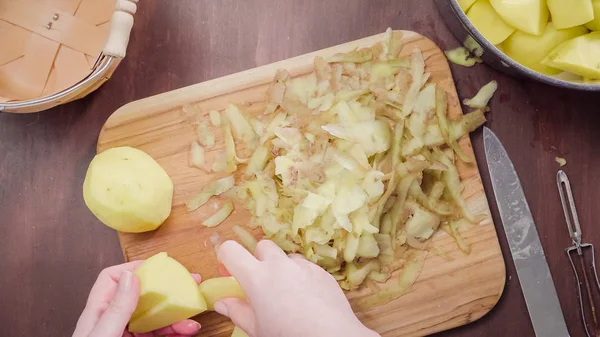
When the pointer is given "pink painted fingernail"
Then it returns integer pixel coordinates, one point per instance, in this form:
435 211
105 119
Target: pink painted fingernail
125 281
221 309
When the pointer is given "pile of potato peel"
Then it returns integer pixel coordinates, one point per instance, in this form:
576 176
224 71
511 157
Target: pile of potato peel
349 165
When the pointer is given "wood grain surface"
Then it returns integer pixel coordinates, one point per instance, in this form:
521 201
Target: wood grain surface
453 289
53 248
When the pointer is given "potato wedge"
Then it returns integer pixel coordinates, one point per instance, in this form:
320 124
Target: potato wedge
218 288
571 13
579 56
488 22
529 16
529 50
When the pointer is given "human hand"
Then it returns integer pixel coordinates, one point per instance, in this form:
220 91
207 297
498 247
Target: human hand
288 295
111 303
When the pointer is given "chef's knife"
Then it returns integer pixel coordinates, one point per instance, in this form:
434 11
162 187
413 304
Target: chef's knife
524 242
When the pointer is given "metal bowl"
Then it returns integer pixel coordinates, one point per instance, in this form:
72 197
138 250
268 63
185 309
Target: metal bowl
461 27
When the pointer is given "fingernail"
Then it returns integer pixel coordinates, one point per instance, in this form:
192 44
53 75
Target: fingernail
221 309
194 325
125 281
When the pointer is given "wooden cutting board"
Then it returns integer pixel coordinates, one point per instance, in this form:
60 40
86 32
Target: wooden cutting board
453 288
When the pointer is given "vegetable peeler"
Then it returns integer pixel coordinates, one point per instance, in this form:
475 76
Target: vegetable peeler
577 250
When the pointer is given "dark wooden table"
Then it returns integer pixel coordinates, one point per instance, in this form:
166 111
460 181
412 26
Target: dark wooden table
52 247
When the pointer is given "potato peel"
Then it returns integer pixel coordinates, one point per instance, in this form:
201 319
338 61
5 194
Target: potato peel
214 188
483 96
245 237
561 161
197 158
220 216
462 57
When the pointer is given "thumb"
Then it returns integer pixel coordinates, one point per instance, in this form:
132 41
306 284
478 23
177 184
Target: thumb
113 321
240 312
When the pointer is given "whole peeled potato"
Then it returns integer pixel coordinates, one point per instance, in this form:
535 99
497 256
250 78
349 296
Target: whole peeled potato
128 190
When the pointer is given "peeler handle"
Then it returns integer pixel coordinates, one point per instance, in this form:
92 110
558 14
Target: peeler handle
588 288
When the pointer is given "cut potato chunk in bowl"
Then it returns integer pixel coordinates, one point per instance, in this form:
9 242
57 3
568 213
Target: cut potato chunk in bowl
516 36
571 13
578 56
530 50
489 22
529 16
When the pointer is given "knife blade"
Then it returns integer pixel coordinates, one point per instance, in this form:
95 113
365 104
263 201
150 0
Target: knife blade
525 246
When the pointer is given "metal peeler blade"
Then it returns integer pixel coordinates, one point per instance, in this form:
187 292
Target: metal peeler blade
577 249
